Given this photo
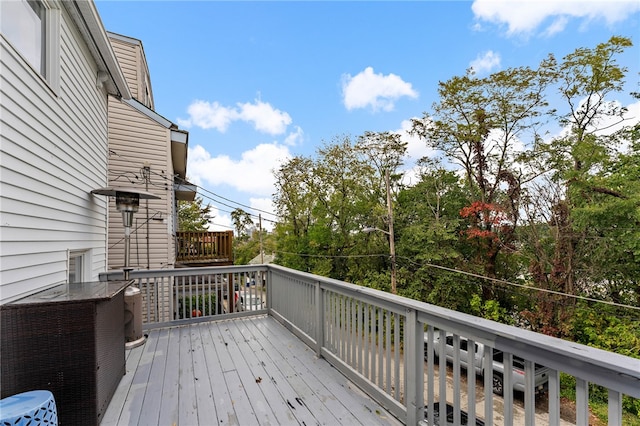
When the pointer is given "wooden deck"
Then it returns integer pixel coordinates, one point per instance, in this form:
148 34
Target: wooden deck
246 371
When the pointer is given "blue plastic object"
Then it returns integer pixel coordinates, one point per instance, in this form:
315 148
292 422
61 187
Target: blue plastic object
29 408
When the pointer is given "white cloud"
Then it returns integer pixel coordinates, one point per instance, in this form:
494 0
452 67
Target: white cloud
526 16
208 116
264 117
610 125
266 205
252 173
375 91
416 147
295 137
221 221
486 62
212 115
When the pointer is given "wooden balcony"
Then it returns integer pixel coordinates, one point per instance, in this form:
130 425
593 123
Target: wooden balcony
322 351
203 248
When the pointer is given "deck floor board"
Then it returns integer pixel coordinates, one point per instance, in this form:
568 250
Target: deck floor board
249 371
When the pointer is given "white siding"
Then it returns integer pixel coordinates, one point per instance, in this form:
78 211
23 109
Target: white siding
53 152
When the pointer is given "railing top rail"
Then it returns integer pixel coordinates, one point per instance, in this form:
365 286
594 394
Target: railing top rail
182 272
204 232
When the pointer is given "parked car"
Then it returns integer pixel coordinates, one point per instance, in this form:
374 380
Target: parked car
248 301
541 372
464 417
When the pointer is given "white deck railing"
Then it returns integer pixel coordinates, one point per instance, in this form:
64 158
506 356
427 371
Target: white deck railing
377 340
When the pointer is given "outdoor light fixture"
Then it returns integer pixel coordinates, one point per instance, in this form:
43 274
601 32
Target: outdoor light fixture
127 202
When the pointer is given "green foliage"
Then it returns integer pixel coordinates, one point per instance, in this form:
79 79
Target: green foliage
325 202
603 328
245 249
204 304
192 216
241 221
490 309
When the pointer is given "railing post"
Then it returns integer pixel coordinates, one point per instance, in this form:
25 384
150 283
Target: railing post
319 319
269 290
414 368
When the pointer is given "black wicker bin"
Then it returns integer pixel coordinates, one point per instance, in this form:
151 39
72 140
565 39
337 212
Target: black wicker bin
68 340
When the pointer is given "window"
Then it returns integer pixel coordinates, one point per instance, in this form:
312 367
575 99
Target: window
77 264
32 27
24 25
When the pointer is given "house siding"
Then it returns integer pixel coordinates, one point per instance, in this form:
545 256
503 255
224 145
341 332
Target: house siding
53 153
128 60
133 62
136 140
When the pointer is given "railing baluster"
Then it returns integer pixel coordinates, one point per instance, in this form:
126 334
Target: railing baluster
582 401
456 379
529 393
507 386
471 381
396 352
487 368
380 335
414 368
442 371
367 334
359 334
554 397
387 362
615 408
320 313
430 374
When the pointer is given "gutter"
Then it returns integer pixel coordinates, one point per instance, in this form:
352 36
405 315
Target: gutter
88 21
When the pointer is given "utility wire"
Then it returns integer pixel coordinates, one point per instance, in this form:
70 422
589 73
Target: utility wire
471 274
213 194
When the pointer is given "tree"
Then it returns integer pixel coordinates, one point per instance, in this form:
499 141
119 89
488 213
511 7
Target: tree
572 231
241 221
428 226
192 216
323 203
247 249
476 124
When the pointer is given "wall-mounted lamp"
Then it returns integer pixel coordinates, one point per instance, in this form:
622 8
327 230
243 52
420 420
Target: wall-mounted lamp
127 202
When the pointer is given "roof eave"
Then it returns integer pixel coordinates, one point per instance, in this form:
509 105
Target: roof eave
90 25
179 148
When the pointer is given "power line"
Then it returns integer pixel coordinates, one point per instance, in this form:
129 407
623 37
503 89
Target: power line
500 281
170 180
471 274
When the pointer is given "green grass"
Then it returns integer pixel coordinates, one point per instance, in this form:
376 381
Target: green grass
598 401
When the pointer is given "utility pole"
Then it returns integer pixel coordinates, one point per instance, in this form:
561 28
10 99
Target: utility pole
392 246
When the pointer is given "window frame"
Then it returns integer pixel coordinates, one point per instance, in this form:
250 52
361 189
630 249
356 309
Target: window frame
49 70
78 260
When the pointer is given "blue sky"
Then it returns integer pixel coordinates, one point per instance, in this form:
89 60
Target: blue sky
256 83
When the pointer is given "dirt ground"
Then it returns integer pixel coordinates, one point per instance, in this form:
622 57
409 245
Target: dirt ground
567 408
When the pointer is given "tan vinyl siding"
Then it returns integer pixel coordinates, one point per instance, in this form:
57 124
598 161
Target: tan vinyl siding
134 67
128 60
135 139
53 153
